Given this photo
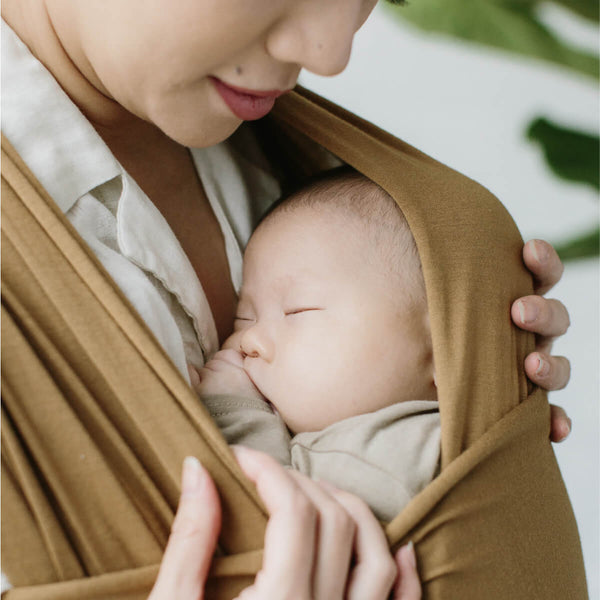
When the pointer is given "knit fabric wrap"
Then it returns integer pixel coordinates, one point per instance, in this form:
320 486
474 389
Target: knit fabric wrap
96 420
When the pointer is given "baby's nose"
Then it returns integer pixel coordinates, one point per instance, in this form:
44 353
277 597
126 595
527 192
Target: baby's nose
255 343
250 353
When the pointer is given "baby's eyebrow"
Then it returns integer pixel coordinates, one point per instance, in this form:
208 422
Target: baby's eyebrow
300 278
279 288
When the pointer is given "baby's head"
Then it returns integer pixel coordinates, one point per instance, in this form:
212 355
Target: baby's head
332 319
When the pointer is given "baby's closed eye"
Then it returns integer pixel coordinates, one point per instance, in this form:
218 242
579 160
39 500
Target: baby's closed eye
297 311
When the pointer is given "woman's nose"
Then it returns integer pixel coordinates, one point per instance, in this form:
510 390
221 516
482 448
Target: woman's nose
255 343
317 35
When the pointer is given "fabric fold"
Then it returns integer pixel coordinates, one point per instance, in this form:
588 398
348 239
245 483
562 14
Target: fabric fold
97 420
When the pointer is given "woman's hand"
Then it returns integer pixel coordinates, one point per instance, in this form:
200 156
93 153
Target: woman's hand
321 543
186 561
548 319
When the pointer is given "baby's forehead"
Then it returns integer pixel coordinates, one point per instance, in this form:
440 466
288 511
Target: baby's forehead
303 226
354 213
304 243
343 196
345 224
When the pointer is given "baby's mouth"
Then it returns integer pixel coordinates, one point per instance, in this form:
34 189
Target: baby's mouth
255 385
269 403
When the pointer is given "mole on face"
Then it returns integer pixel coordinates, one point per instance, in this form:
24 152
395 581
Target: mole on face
238 70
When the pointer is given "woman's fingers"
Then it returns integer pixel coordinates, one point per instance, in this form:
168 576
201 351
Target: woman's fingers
335 541
290 536
314 531
543 262
408 584
549 372
560 424
374 571
193 538
547 318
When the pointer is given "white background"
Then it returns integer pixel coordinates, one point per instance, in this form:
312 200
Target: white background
468 106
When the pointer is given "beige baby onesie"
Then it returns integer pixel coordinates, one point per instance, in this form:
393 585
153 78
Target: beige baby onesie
385 457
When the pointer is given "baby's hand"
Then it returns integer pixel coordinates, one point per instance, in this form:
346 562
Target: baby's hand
223 375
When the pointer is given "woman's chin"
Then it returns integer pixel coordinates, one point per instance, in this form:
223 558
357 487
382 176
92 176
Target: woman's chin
196 124
203 134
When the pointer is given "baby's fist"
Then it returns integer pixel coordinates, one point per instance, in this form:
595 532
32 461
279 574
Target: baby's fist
223 375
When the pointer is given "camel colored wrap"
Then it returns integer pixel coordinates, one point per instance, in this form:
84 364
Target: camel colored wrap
97 420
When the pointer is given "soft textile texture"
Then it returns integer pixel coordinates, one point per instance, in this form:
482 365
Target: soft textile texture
96 420
384 457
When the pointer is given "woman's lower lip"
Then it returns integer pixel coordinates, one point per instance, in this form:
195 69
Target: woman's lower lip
245 106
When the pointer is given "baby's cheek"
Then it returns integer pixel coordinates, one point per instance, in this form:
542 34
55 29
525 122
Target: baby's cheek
304 397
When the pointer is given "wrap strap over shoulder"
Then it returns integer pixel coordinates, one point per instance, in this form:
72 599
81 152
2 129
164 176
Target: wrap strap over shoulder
96 422
96 419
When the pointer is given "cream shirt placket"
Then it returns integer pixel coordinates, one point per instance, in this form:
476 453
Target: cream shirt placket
140 252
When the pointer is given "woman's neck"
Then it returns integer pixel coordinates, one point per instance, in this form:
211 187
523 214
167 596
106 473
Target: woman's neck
52 38
162 168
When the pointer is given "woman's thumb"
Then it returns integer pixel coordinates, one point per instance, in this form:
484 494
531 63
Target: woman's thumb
186 561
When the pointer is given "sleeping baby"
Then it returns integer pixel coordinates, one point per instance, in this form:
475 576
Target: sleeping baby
330 367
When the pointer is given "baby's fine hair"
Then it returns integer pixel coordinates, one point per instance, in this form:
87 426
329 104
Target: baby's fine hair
361 202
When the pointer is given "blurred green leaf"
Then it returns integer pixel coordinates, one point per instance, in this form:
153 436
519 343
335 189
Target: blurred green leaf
510 25
584 246
572 155
584 8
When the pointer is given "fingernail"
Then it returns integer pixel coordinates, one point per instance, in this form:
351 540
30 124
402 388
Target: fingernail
542 368
410 552
539 250
528 313
193 475
567 429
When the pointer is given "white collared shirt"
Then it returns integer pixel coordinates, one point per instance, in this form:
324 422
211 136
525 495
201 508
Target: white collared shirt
115 217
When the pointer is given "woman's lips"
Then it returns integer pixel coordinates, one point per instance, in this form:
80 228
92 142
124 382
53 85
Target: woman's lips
247 105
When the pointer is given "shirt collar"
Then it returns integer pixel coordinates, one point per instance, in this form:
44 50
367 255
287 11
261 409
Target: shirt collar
49 132
145 238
